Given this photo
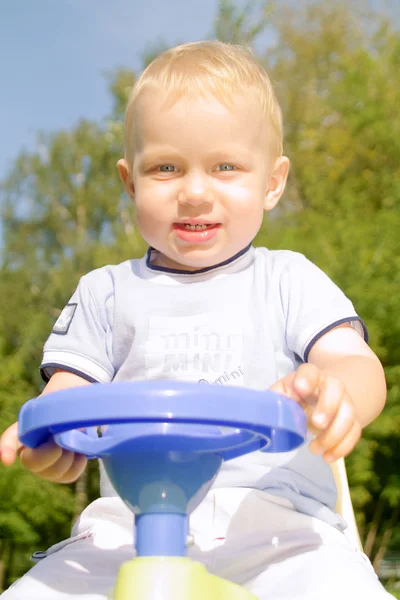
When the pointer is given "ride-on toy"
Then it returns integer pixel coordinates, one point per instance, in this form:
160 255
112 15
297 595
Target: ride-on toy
163 444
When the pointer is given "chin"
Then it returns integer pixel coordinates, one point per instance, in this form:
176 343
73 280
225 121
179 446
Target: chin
191 260
200 258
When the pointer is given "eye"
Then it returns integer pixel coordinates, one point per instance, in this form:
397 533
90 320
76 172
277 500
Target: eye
167 168
226 167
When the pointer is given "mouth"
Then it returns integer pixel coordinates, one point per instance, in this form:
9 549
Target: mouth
195 225
194 231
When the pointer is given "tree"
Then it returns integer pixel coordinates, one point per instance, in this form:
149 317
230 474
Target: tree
59 223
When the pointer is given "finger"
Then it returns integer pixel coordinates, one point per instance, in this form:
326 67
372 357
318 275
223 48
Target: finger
40 458
57 470
331 396
8 454
306 382
76 469
9 445
346 445
285 386
337 431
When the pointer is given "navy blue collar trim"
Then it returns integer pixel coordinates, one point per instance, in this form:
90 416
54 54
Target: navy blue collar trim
182 272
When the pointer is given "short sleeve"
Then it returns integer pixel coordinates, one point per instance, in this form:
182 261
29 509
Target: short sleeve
313 304
78 342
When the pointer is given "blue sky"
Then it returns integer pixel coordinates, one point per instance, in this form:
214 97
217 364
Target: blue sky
53 55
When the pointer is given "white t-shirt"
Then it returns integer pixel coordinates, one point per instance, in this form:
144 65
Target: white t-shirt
246 322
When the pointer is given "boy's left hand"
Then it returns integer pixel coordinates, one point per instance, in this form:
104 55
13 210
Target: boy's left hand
330 411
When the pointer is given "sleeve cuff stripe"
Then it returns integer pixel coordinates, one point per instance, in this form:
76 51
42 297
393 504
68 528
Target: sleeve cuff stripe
332 326
51 366
76 363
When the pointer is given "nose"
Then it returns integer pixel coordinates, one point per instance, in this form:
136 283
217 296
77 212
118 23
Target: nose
195 190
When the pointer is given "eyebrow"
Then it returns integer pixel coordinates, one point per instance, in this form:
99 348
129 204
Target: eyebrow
161 155
233 153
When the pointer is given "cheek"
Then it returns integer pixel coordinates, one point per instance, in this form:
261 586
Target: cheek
148 216
150 223
148 200
245 198
152 194
152 215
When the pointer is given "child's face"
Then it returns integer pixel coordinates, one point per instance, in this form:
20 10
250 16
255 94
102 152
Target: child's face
201 178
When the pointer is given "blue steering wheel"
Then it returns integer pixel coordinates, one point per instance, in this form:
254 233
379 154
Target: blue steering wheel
165 415
164 442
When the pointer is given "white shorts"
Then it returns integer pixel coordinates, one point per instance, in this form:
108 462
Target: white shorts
250 537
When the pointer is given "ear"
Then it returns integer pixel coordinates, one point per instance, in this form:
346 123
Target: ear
276 183
125 174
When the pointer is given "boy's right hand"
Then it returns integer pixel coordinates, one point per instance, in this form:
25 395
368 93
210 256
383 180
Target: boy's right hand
49 461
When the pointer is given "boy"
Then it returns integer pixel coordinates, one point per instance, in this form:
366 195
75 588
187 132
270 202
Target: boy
203 162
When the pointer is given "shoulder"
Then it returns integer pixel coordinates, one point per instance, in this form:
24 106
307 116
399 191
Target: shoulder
282 261
102 281
294 277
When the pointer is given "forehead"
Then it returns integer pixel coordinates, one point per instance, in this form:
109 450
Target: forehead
202 120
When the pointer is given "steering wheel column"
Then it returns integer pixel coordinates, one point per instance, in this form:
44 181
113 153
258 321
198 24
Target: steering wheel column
162 489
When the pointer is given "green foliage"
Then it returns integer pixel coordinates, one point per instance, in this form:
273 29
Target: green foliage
335 69
239 25
336 72
64 214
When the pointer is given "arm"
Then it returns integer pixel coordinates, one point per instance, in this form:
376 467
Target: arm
342 389
358 368
49 461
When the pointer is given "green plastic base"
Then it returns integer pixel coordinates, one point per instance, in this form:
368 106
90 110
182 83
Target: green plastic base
170 578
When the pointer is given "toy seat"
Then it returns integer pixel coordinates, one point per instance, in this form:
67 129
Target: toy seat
344 504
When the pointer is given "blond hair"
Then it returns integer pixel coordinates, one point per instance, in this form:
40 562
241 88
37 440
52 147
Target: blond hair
208 67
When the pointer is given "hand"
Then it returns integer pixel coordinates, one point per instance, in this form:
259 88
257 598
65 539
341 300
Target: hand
49 461
330 411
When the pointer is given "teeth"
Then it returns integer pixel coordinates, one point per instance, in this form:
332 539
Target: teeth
195 227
